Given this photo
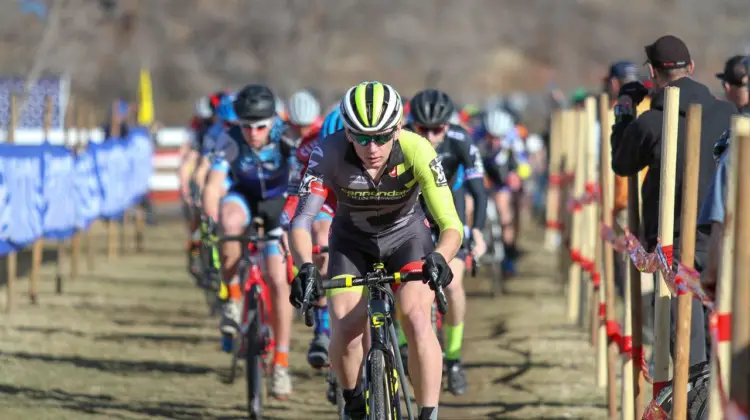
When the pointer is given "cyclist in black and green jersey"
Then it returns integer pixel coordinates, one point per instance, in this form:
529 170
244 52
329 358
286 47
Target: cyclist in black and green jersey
429 116
377 170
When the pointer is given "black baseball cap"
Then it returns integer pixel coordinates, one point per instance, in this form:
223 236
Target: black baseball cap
668 52
735 71
624 71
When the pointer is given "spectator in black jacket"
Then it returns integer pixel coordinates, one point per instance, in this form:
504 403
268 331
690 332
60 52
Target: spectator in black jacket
734 79
636 144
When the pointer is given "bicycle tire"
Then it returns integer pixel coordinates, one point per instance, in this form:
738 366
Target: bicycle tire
254 369
377 398
497 280
236 355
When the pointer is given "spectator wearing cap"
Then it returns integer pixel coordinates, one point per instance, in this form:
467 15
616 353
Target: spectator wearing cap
621 73
636 144
734 79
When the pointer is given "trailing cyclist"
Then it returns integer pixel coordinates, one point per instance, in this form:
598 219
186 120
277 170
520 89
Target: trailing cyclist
206 126
252 167
317 352
377 170
431 111
506 164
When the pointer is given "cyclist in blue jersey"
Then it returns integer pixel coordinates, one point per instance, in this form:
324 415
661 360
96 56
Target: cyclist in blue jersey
251 165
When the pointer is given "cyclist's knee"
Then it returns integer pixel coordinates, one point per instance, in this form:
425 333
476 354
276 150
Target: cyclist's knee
415 301
233 217
347 311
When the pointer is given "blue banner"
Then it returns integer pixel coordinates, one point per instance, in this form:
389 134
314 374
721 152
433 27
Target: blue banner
49 191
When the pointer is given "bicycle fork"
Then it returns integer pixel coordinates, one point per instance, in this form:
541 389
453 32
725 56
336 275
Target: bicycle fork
383 334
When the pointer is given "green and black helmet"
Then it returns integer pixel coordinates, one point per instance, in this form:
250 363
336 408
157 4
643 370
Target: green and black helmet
371 107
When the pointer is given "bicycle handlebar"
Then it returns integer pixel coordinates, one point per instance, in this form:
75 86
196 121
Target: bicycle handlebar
372 279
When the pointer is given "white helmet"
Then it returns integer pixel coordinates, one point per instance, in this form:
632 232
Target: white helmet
517 102
303 108
203 108
280 107
371 107
498 122
455 118
534 143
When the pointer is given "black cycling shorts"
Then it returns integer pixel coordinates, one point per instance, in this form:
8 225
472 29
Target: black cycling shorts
354 254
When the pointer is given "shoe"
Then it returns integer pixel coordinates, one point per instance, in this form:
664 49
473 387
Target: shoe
456 377
281 382
333 388
356 409
317 352
230 317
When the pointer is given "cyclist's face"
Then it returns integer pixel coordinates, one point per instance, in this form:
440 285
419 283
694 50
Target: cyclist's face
376 150
257 132
434 134
494 141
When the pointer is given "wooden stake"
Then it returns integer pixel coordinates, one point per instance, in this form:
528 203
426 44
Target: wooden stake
689 217
552 232
666 234
87 235
574 273
75 242
607 182
740 363
112 223
567 168
633 279
722 353
12 257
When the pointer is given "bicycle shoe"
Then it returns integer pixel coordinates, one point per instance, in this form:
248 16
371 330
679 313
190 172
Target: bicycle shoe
317 353
356 409
456 377
230 317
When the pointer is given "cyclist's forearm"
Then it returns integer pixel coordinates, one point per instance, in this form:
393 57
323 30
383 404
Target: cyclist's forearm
301 246
449 243
479 194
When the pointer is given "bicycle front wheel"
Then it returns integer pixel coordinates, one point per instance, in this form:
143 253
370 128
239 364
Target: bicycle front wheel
378 402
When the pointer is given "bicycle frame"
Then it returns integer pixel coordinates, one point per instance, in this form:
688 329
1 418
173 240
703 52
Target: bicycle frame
380 313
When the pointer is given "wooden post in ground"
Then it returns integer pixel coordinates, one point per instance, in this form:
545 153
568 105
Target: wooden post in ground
88 240
721 355
67 142
567 167
552 232
739 391
689 216
590 214
12 257
112 223
574 273
662 313
38 248
75 242
607 182
633 281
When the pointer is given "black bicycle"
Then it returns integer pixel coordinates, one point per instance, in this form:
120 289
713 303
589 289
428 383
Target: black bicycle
384 371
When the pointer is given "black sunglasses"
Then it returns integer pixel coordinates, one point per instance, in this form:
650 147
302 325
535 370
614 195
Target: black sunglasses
429 130
364 139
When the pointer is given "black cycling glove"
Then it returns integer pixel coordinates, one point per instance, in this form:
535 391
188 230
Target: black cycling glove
436 271
307 276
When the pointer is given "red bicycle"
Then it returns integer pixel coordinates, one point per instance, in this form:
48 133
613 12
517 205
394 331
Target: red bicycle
255 339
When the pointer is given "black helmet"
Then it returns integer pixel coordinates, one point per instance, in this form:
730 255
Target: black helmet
255 103
431 107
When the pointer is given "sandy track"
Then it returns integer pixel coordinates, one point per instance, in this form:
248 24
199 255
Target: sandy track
131 340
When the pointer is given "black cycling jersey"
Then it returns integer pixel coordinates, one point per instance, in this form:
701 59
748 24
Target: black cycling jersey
458 148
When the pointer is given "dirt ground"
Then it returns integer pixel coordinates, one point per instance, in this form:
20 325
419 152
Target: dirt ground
131 339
